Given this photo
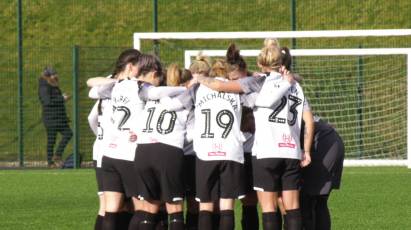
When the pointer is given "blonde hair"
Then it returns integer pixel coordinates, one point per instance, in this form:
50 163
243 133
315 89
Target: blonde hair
200 65
270 57
176 76
270 42
219 69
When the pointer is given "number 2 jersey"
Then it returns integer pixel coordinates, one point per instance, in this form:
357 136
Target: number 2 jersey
278 127
127 108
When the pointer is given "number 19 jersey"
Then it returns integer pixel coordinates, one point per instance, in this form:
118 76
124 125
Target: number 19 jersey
217 134
278 128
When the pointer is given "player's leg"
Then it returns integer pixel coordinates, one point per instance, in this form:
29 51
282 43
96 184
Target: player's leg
267 184
172 183
290 194
206 191
249 218
192 205
113 192
232 187
100 193
322 213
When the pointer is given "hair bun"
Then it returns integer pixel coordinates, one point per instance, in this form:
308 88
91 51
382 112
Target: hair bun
233 54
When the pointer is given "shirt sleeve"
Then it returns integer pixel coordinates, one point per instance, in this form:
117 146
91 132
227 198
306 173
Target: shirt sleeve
306 105
188 98
101 92
44 93
93 118
251 84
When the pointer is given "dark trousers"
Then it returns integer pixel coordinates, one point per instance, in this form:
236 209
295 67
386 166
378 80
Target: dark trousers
52 129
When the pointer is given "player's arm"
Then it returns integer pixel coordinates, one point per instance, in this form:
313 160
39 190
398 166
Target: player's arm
98 81
271 96
243 85
93 118
156 93
183 101
308 136
44 93
101 92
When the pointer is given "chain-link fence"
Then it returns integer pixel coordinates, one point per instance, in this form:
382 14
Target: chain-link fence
50 29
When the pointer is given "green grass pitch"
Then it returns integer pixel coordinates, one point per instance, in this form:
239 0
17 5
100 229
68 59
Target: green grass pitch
370 198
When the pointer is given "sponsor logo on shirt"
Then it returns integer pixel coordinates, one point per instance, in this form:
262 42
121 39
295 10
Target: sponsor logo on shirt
287 142
217 150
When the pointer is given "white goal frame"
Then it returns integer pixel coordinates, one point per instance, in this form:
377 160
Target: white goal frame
304 52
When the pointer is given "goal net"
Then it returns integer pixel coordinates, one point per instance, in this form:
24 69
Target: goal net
361 92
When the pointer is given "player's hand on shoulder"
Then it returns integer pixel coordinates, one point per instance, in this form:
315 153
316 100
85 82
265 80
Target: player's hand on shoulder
133 136
287 75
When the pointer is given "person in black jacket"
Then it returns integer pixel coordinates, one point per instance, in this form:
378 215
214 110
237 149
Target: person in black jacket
54 115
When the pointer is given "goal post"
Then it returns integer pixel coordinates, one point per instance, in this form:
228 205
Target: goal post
190 54
375 117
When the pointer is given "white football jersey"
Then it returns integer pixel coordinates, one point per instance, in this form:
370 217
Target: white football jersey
217 134
127 108
103 121
278 127
159 125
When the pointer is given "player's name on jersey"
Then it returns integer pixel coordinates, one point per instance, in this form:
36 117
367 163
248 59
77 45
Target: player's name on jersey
218 95
121 99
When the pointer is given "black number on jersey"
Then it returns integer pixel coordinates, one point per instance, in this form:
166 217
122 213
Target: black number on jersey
226 125
148 129
295 102
100 131
171 124
207 133
126 115
160 129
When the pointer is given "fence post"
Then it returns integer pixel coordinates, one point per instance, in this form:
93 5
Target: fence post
360 86
20 84
155 27
75 107
293 22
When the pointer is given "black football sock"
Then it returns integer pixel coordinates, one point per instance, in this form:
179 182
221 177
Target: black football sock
162 220
135 220
99 222
191 221
216 220
226 220
270 221
249 219
293 219
177 221
123 220
110 221
148 221
205 220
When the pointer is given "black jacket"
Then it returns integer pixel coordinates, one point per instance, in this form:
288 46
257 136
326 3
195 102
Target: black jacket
52 102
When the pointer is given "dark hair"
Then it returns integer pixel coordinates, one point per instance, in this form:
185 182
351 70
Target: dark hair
149 63
234 60
127 56
286 58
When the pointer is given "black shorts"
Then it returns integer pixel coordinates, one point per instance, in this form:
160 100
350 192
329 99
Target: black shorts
276 174
189 168
119 176
160 169
99 178
248 173
219 179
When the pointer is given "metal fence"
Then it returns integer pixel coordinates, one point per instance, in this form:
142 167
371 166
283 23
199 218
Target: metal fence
46 32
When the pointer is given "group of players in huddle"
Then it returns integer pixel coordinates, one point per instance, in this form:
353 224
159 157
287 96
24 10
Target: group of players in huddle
210 135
